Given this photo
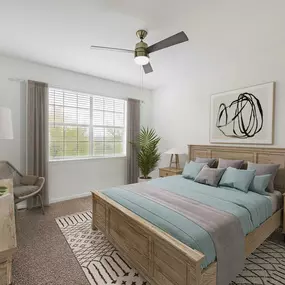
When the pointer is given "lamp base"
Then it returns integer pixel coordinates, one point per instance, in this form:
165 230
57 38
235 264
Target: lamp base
175 162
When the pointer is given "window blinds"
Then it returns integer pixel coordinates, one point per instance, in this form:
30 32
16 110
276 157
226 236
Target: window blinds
84 125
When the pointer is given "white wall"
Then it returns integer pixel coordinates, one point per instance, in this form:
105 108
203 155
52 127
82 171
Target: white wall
72 178
232 44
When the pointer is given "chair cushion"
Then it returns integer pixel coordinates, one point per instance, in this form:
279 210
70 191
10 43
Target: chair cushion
23 190
29 179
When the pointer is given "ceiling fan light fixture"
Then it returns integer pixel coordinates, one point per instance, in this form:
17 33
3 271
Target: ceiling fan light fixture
141 55
142 50
142 60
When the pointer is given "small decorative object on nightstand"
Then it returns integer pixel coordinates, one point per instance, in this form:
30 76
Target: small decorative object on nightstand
174 152
169 171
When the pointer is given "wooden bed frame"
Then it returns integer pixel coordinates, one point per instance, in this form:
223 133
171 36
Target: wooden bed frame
162 259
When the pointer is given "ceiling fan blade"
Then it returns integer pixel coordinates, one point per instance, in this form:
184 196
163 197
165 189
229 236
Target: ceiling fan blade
171 41
147 68
112 49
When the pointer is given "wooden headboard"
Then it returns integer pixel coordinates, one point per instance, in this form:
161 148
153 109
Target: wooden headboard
252 154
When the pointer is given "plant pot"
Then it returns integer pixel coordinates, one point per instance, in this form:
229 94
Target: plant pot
141 179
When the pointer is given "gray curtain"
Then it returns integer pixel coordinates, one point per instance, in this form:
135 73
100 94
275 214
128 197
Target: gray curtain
37 134
133 129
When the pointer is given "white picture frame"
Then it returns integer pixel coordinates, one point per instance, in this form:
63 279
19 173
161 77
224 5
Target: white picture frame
243 116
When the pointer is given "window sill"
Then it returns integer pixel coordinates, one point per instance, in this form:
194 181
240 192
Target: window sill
86 158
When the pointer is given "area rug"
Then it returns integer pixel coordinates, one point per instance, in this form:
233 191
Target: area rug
102 264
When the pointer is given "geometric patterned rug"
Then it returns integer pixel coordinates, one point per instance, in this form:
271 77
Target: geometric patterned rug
102 264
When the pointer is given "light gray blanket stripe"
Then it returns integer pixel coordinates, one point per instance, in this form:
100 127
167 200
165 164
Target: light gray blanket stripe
224 228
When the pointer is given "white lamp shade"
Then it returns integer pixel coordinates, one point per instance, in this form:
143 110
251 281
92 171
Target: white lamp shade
175 151
6 129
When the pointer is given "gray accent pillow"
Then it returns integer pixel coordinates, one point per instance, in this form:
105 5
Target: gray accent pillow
210 161
262 169
210 176
225 163
192 169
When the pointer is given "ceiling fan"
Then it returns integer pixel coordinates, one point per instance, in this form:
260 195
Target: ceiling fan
142 50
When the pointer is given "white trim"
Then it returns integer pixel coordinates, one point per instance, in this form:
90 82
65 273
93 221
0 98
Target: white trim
22 205
87 158
56 200
26 136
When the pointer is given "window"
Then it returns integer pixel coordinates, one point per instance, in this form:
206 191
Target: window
83 125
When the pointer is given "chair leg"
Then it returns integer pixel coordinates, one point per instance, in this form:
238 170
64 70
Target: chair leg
42 204
16 212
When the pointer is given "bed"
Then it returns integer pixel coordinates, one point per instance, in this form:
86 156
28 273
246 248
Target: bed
164 259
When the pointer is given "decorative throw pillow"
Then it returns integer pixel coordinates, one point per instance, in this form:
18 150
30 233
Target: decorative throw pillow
192 169
225 163
29 180
210 161
210 176
239 179
262 169
260 183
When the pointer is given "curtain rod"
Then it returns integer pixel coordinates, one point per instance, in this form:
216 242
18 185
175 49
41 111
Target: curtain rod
16 79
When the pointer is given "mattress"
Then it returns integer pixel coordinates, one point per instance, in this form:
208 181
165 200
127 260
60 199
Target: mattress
276 199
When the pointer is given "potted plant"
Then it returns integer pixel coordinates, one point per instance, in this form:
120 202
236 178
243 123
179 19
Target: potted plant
147 152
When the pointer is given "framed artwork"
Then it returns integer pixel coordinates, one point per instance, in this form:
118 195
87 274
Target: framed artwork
243 116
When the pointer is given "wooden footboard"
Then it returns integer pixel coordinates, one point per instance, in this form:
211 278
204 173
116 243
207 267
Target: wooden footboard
160 258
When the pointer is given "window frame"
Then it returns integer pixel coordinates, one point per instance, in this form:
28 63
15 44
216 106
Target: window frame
89 126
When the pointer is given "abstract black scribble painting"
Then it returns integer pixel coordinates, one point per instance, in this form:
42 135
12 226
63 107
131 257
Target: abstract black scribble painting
246 120
243 116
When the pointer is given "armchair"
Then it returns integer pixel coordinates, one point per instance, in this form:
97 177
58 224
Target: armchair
24 187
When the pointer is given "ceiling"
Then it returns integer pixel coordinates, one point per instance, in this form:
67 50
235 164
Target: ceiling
59 33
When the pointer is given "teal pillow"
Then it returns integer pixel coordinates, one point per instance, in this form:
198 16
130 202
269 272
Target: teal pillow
192 169
236 178
260 183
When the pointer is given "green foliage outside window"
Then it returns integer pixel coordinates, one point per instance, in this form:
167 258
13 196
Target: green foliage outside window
64 142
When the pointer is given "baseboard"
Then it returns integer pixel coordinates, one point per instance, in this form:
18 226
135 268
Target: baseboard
22 205
56 200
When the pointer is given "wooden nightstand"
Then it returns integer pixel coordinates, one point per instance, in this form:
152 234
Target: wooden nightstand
169 171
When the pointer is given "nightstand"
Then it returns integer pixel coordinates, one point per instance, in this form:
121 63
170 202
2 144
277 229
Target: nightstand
169 171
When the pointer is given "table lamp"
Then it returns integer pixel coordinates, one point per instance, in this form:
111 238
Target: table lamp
174 153
6 129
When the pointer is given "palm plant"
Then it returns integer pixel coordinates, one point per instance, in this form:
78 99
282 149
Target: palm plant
147 151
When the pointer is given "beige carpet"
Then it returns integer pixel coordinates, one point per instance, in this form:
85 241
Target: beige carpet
102 263
44 257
